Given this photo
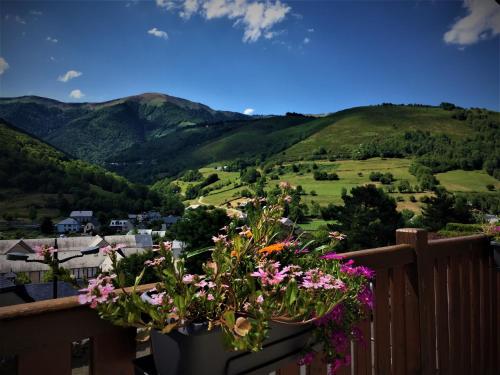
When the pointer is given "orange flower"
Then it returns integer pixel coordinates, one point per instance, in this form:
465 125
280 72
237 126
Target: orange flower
234 253
272 248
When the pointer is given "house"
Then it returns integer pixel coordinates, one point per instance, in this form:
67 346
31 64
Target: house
68 225
170 220
491 219
132 218
82 216
81 267
121 225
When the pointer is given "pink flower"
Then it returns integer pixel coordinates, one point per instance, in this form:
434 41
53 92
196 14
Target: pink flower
287 199
99 290
270 274
307 359
285 185
188 279
259 299
365 296
157 299
335 315
337 236
108 250
154 262
332 255
167 245
210 297
43 251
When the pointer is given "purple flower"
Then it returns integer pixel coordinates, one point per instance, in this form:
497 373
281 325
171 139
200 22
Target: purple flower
307 359
340 342
270 274
365 296
335 315
332 255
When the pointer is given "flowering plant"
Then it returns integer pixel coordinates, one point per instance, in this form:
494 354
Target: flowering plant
257 273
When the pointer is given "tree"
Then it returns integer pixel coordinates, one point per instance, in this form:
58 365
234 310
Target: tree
444 208
132 265
46 225
197 226
368 218
250 175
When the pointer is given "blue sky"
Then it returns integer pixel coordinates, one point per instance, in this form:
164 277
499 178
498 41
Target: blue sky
272 57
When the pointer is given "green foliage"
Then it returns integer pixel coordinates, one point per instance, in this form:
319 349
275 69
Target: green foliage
444 208
255 274
63 274
133 264
197 226
192 175
368 218
324 176
22 278
249 175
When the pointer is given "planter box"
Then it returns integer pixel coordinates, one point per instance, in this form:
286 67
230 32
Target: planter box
198 352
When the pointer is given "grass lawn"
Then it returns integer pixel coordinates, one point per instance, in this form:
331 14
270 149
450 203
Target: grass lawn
467 181
314 225
17 204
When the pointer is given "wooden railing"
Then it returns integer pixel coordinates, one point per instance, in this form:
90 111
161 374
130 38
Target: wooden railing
437 312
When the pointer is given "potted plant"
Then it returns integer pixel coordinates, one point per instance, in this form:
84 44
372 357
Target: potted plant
266 294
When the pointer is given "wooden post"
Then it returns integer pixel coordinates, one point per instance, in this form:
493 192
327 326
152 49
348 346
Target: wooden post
419 304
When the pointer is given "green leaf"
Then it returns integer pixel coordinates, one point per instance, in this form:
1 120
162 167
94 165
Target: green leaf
198 252
139 278
229 318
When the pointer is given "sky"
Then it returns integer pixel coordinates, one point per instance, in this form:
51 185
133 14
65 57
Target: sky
254 56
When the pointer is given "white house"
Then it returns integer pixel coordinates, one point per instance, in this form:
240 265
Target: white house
68 225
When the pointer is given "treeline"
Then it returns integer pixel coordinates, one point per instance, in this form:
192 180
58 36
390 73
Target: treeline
31 166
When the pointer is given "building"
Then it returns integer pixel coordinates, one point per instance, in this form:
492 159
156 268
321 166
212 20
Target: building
82 267
68 225
170 220
121 225
82 216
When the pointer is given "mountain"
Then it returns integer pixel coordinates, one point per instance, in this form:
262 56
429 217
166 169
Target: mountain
36 176
151 136
95 131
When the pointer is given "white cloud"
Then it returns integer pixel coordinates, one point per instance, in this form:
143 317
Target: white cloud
20 20
311 30
4 65
52 40
70 74
249 111
256 17
481 22
36 12
307 40
158 33
76 94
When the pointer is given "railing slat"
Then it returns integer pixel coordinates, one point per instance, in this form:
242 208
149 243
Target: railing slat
398 322
382 324
318 367
495 305
465 306
442 316
485 313
50 359
112 352
412 322
291 369
475 312
362 360
454 315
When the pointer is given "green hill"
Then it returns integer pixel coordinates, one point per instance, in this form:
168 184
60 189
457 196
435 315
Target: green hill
350 128
151 136
36 177
94 131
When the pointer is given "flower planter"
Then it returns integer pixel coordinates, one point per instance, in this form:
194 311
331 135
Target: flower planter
196 351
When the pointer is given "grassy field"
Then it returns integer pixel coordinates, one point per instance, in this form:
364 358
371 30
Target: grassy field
18 203
467 181
351 173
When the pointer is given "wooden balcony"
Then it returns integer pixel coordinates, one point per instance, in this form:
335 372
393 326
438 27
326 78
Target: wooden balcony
437 312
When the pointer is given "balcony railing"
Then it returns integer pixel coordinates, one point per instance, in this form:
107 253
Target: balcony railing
437 312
